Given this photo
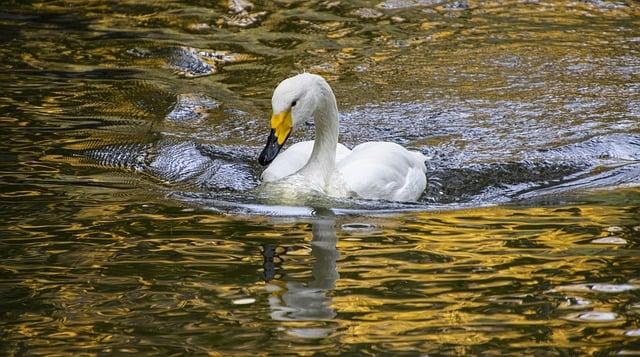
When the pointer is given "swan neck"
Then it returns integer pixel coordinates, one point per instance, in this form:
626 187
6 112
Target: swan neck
322 162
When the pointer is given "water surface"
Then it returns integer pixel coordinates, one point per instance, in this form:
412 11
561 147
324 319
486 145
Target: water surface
131 223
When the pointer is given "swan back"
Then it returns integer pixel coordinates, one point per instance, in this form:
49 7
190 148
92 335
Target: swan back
381 170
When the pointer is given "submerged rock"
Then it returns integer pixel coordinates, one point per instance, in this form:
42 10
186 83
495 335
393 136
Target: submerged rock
367 13
224 56
456 5
603 4
190 62
244 19
403 4
187 62
240 14
191 107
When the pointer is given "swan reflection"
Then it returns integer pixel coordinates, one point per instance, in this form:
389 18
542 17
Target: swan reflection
296 301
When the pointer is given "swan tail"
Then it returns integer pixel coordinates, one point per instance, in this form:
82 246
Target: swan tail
420 159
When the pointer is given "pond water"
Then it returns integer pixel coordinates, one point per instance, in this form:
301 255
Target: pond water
130 220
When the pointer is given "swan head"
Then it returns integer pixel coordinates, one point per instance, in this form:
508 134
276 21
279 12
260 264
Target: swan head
294 101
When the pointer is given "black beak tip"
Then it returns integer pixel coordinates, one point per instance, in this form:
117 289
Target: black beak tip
270 150
262 159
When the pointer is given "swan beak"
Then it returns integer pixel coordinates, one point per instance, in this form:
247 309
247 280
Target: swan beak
281 125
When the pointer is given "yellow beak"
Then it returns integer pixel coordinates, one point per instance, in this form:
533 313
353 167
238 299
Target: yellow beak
282 123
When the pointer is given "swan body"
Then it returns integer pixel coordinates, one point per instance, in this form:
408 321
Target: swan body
380 170
372 170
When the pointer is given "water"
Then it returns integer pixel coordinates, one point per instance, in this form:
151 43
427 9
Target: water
128 151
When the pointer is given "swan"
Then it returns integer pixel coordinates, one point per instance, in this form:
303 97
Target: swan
372 170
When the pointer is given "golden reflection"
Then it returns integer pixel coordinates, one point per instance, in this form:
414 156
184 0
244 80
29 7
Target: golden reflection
469 247
89 267
417 280
476 243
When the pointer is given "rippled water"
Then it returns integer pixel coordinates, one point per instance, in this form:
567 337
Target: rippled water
131 222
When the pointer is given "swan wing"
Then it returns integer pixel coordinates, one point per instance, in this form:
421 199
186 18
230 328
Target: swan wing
381 170
294 158
341 152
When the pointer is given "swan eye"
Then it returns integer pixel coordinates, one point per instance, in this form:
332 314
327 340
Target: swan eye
294 103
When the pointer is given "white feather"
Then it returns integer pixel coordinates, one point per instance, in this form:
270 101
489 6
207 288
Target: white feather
294 158
373 170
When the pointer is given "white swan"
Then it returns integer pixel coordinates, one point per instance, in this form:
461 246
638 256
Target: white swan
373 170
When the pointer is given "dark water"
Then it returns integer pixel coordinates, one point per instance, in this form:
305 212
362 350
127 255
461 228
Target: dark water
131 223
